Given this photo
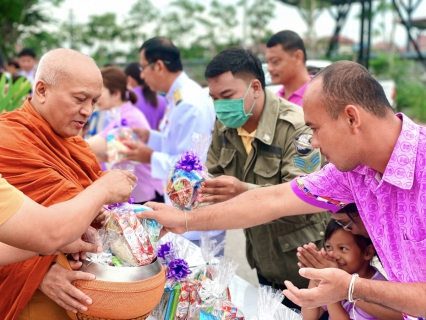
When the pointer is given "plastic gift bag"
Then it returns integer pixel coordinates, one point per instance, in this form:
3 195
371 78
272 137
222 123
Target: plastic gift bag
116 139
184 179
214 294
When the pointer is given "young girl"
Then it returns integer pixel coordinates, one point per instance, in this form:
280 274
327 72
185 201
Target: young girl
351 253
118 99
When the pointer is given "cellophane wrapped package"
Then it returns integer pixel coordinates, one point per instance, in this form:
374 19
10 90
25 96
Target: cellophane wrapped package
270 308
116 140
126 239
184 179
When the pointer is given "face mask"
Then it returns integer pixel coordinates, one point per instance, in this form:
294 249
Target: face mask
231 112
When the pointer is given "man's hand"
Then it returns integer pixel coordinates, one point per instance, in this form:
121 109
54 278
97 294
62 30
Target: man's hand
101 219
142 133
57 285
173 220
221 189
118 184
310 257
139 151
333 285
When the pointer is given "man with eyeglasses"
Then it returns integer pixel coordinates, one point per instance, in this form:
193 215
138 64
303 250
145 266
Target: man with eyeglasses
189 110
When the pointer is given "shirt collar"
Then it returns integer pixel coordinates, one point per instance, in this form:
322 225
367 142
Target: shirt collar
400 168
267 123
176 84
299 92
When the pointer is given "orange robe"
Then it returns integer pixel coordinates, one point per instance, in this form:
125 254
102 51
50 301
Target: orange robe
48 169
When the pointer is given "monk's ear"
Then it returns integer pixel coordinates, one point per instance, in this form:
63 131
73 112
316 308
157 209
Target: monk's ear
40 89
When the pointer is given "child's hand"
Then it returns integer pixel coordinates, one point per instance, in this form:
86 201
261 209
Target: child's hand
311 257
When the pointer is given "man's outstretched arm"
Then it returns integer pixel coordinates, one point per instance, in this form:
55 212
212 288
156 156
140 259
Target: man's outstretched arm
249 209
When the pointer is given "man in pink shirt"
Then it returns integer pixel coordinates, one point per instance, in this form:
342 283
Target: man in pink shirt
286 59
377 160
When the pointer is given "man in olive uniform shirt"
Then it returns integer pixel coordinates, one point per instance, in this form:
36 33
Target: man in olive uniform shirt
260 139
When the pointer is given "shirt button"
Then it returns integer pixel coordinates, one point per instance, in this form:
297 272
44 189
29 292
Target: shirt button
267 171
322 233
286 246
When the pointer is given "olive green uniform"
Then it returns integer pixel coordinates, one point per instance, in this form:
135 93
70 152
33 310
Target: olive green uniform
281 150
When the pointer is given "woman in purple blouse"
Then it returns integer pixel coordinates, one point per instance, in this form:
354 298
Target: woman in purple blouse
120 102
150 103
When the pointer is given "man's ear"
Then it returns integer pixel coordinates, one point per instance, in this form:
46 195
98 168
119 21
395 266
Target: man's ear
257 87
300 57
353 116
40 90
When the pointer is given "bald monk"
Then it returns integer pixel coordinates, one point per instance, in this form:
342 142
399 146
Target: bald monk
59 227
42 155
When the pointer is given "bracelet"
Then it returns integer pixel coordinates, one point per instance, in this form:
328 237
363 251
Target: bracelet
186 220
351 288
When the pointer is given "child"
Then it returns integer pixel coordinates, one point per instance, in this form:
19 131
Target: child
353 254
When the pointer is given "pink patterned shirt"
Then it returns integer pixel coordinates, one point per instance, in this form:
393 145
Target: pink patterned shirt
392 206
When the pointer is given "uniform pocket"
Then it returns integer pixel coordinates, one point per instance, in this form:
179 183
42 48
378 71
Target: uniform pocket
312 233
228 162
267 170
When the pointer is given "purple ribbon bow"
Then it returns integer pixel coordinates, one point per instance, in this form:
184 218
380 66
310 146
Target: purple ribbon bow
178 269
188 162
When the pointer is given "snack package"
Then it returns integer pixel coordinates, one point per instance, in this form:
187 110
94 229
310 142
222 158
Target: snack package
125 238
115 141
214 294
184 179
209 249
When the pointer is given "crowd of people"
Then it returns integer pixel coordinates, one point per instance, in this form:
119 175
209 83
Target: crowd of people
321 175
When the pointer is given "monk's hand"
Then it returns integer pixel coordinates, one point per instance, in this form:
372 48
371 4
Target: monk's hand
221 189
117 184
138 151
142 133
311 257
79 248
57 285
333 285
171 219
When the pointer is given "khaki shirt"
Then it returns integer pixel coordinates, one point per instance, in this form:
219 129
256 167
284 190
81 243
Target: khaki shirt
281 151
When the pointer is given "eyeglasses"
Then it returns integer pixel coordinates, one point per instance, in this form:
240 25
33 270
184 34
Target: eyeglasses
142 68
348 225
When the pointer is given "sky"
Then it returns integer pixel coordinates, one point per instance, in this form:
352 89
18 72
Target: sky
286 17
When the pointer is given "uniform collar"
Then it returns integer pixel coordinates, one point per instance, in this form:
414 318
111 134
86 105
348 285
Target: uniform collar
265 131
400 169
177 84
266 128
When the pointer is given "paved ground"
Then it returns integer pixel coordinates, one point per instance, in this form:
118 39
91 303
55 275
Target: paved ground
235 249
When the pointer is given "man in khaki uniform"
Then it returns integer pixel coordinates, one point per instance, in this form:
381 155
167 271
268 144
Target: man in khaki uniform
260 139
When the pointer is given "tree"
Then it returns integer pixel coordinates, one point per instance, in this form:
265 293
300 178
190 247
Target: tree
259 13
102 34
182 22
22 18
141 17
309 11
220 26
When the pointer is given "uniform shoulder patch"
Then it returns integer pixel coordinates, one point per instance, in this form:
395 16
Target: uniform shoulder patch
303 144
308 165
177 96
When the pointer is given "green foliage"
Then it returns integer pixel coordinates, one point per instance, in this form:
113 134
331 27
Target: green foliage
12 93
411 99
22 18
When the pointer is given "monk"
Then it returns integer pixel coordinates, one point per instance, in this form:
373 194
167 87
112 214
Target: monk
42 154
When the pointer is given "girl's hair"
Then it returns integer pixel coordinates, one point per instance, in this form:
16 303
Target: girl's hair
133 70
361 241
115 80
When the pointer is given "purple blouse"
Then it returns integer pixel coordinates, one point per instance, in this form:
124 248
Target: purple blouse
152 113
